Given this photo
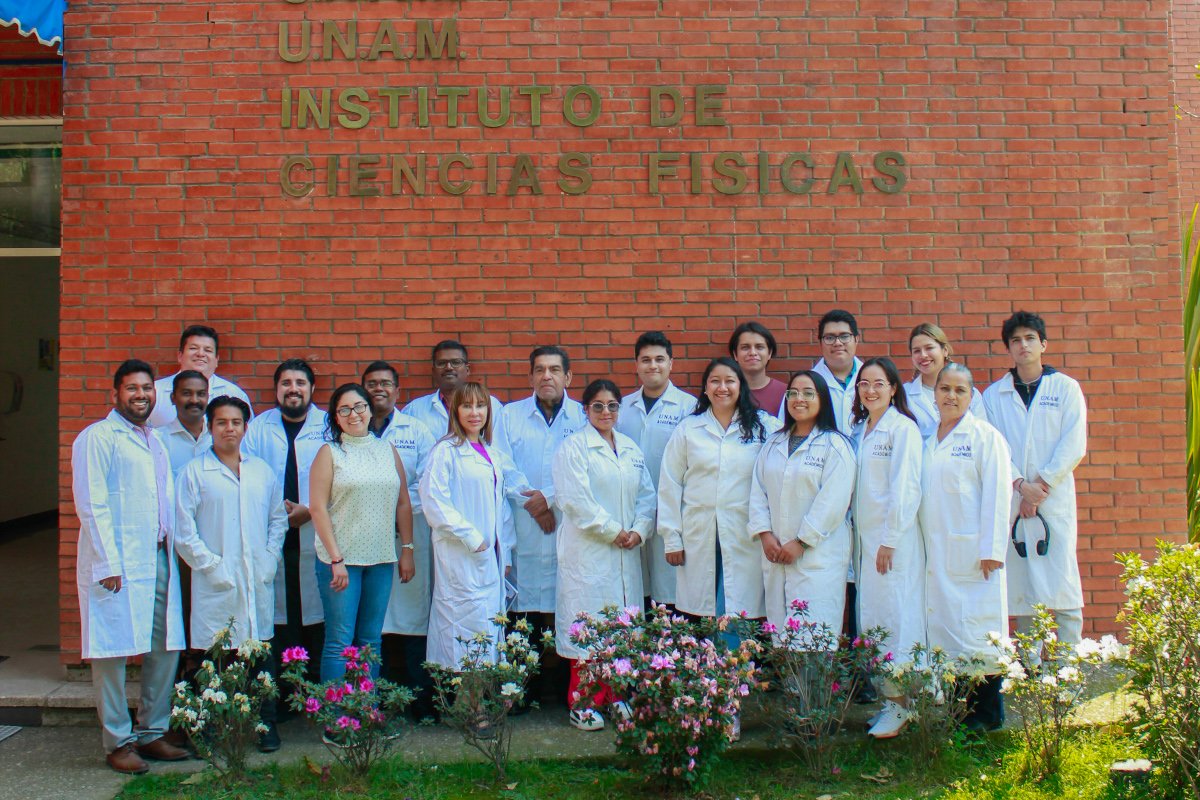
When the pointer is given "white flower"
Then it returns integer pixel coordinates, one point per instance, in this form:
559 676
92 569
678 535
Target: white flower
181 689
261 728
1049 680
1006 686
1015 671
1087 649
265 679
994 638
510 690
1069 675
1111 648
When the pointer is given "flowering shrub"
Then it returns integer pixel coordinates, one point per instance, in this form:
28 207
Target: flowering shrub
1043 680
683 685
476 698
1163 615
937 689
818 671
362 717
220 714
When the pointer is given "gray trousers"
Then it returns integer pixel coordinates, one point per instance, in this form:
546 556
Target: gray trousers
1070 628
158 676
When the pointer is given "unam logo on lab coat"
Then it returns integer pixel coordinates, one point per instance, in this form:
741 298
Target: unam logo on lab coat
962 451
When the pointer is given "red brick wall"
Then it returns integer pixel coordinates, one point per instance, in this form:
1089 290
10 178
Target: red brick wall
1036 141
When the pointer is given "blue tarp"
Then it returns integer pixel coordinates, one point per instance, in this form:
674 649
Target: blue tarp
42 19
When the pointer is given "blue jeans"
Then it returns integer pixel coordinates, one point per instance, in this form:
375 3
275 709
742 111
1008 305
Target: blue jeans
353 616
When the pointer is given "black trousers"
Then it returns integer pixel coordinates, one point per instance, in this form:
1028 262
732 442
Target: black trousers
404 663
985 703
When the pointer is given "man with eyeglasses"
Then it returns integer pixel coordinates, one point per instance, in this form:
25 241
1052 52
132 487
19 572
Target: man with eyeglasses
197 351
839 365
451 369
288 437
1042 415
406 624
649 416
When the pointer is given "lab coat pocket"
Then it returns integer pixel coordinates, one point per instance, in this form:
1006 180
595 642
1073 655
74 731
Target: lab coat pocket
962 557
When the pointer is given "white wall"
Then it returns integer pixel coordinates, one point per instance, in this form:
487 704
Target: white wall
29 438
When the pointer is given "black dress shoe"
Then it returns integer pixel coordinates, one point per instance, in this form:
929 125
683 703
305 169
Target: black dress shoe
865 694
269 742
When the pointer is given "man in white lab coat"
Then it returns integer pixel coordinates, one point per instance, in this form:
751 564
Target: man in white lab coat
125 571
230 523
451 369
839 336
198 351
1042 415
532 431
649 416
186 436
406 624
288 437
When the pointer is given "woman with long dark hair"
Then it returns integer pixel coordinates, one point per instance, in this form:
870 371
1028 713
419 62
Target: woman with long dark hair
704 497
890 566
359 501
607 501
802 484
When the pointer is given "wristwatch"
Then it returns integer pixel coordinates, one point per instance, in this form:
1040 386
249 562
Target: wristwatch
409 546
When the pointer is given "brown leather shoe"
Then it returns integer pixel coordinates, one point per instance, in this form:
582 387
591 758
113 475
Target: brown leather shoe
125 759
161 750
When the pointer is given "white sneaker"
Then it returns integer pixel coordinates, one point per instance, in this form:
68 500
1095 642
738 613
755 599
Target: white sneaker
871 720
891 722
587 719
622 710
736 733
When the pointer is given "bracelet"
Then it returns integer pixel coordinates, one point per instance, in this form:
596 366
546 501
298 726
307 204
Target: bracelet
408 546
1020 483
337 561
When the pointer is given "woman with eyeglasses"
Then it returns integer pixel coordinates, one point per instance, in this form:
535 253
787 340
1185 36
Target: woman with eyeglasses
607 501
966 488
931 351
359 502
890 561
464 491
800 492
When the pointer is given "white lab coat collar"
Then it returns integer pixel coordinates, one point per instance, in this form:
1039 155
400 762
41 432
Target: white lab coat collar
130 428
176 427
670 395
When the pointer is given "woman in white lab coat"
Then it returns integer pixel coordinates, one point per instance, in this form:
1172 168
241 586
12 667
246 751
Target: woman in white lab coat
965 489
890 568
463 490
607 501
704 498
802 484
931 351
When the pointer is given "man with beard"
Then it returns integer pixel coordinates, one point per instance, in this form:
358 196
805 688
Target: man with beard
451 369
197 351
407 622
187 436
288 437
125 571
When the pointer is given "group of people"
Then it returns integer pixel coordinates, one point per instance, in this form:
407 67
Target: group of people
923 507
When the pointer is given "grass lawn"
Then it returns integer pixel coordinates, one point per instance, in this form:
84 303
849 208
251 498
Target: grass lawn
882 771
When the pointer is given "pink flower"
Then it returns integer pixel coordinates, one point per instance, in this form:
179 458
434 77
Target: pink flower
837 687
576 629
352 666
888 656
334 693
661 662
350 652
294 654
799 605
623 666
344 722
793 625
312 705
769 627
366 685
744 690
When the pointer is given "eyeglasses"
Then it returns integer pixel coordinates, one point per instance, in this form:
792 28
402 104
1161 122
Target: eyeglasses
380 384
879 386
450 362
600 408
357 408
835 338
793 394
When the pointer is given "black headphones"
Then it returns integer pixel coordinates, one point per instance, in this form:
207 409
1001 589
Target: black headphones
1043 544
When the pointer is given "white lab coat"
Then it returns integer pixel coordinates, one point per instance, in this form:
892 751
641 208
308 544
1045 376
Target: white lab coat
462 496
843 399
116 500
965 489
651 431
703 497
181 446
429 411
1047 441
230 529
408 606
532 444
600 494
266 439
887 496
164 410
804 496
923 406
